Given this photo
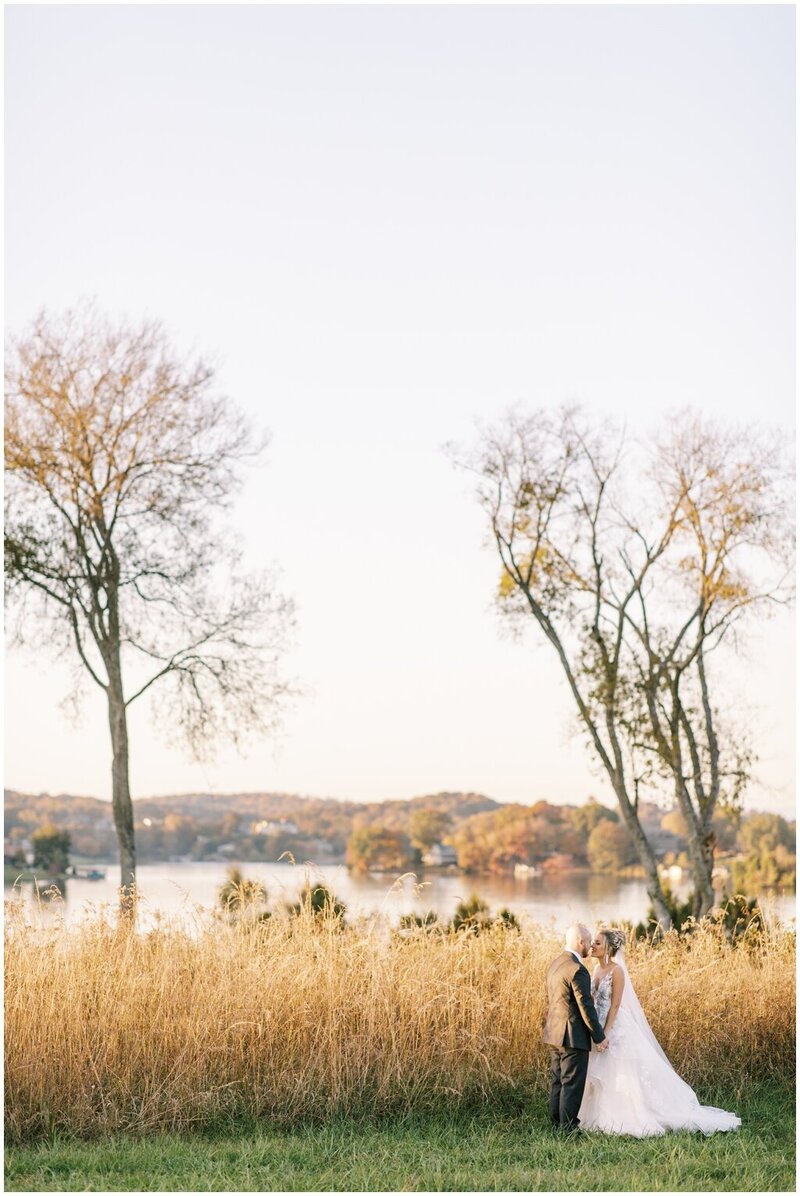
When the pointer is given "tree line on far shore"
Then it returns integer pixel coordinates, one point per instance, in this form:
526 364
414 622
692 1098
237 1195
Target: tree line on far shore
487 837
759 849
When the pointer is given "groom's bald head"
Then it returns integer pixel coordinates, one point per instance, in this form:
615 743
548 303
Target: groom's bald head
578 938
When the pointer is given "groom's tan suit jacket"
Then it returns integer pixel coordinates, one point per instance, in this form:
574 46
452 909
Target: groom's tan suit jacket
572 1020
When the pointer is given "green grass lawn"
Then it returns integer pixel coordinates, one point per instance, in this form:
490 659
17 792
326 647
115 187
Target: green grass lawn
481 1152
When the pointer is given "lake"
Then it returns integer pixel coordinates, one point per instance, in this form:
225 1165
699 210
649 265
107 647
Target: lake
554 899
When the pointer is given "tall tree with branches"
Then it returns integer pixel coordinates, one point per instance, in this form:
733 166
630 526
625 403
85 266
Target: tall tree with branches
639 562
119 458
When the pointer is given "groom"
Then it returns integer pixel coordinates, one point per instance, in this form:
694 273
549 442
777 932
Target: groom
571 1025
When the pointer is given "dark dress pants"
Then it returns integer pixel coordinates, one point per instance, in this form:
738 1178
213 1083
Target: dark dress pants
568 1070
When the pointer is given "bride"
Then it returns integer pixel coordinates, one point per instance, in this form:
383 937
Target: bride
632 1087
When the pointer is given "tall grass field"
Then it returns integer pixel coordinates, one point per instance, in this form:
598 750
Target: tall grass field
290 1022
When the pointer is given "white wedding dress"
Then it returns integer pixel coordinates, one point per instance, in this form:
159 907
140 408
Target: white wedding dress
632 1088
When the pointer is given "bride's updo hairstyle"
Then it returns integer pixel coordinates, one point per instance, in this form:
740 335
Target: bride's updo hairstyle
614 940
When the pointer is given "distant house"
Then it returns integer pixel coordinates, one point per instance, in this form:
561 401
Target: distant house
15 854
268 827
441 855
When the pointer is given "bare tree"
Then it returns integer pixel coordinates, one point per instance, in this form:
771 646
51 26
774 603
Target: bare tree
637 561
119 457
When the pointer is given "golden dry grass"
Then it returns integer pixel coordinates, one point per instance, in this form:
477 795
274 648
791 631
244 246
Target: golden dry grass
111 1030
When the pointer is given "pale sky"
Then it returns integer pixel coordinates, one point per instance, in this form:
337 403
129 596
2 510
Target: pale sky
388 222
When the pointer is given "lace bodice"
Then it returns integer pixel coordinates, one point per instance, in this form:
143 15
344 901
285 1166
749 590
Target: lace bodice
601 992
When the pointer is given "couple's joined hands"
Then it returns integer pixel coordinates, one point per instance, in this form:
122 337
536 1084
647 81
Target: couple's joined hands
601 1046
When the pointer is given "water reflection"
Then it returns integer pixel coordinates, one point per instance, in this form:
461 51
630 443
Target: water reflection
553 899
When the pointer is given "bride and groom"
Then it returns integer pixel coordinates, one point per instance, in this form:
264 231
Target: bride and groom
624 1084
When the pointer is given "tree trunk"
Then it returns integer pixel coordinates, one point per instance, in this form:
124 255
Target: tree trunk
120 790
649 862
701 848
656 895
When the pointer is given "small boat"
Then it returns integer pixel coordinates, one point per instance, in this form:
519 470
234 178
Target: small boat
75 872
